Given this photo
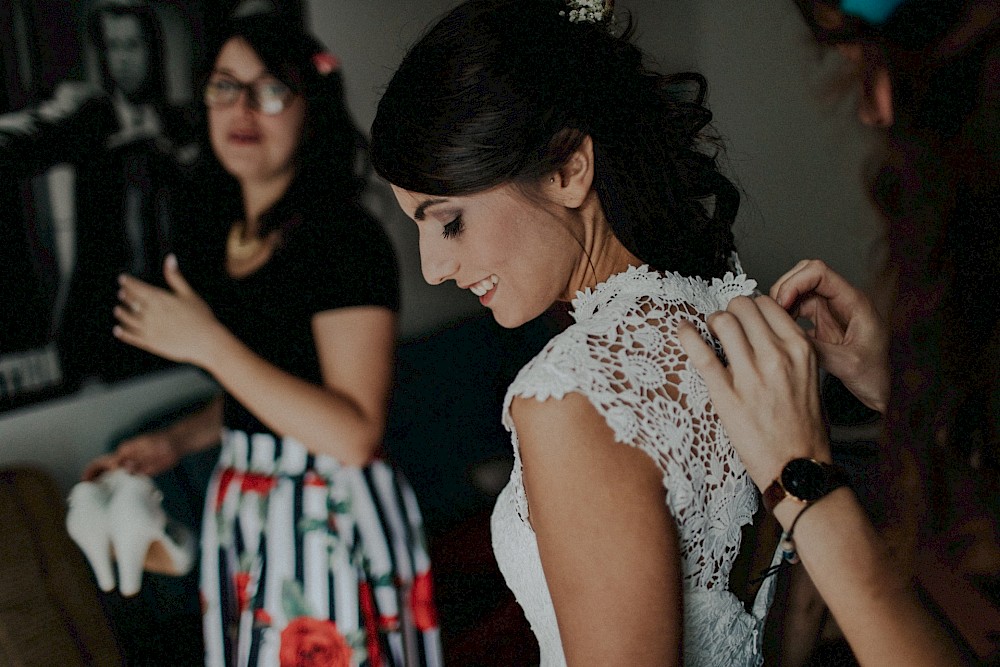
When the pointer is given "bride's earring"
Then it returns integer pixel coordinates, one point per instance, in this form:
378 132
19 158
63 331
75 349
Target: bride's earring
142 536
87 524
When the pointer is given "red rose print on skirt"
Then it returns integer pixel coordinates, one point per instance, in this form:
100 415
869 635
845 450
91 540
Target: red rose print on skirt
255 482
242 582
311 642
422 601
225 479
371 624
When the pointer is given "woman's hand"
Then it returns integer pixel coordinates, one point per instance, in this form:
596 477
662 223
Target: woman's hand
849 335
172 323
154 452
146 454
768 396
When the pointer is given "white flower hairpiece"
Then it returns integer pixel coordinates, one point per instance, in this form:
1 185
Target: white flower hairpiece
591 11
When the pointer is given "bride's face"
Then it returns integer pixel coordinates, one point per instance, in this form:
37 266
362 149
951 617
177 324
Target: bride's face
515 254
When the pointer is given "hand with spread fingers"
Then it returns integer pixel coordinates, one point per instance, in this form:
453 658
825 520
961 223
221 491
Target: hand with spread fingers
849 335
173 323
767 397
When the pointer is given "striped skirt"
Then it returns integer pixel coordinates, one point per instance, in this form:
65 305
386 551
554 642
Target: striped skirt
307 562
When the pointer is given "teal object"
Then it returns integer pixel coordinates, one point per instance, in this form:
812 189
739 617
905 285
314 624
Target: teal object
873 11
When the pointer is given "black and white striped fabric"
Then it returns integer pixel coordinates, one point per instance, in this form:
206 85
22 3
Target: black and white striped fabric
305 561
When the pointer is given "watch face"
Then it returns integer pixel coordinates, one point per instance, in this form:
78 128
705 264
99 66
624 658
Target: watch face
805 479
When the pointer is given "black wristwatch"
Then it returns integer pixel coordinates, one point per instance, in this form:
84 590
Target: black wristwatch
805 480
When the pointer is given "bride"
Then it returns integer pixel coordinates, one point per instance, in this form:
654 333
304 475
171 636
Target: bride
542 161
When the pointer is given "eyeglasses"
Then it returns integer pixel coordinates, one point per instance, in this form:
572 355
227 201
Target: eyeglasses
269 96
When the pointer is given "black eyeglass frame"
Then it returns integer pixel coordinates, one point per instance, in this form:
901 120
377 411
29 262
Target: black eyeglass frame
250 89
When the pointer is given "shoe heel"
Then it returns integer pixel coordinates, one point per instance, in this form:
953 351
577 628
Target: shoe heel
134 519
173 552
142 537
87 525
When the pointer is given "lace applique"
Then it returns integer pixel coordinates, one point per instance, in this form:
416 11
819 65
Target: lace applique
622 354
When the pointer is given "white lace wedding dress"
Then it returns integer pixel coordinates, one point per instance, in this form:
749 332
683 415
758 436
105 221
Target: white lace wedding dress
621 353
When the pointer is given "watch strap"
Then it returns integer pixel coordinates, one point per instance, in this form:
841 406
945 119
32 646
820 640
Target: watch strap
773 494
836 477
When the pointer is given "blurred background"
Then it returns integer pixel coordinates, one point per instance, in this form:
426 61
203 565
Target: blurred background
793 147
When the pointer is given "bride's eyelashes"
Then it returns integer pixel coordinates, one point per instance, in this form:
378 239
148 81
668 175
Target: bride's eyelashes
453 228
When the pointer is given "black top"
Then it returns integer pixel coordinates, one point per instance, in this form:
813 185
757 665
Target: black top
332 259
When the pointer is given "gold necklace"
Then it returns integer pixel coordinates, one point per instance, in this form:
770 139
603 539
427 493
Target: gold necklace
238 247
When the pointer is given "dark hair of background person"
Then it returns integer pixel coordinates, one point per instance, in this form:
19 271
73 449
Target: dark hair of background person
154 89
938 188
332 157
503 91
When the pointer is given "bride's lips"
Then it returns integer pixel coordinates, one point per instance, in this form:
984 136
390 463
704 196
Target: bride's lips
485 288
486 298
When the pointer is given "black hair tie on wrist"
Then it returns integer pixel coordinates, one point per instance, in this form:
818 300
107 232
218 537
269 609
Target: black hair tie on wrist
789 556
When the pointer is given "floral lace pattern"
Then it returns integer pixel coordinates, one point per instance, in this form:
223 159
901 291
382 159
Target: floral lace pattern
622 354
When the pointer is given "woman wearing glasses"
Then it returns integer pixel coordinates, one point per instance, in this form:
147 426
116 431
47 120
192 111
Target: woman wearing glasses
286 292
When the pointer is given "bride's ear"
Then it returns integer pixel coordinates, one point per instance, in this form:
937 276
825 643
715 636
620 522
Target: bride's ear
571 184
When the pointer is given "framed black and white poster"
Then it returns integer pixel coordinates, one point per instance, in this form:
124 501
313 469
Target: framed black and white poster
99 124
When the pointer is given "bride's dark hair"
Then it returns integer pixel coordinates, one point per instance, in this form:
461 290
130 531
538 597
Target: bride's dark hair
504 91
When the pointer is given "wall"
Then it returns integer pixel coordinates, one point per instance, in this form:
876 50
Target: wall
796 157
796 152
62 435
370 37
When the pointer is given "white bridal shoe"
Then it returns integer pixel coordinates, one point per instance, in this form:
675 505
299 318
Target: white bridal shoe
87 524
130 527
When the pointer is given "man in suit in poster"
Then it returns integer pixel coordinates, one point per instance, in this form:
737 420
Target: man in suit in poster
128 147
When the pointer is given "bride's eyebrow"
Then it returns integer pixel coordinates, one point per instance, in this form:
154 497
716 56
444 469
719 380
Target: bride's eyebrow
421 211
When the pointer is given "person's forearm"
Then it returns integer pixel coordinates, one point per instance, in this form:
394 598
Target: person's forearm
322 420
60 130
198 431
869 593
